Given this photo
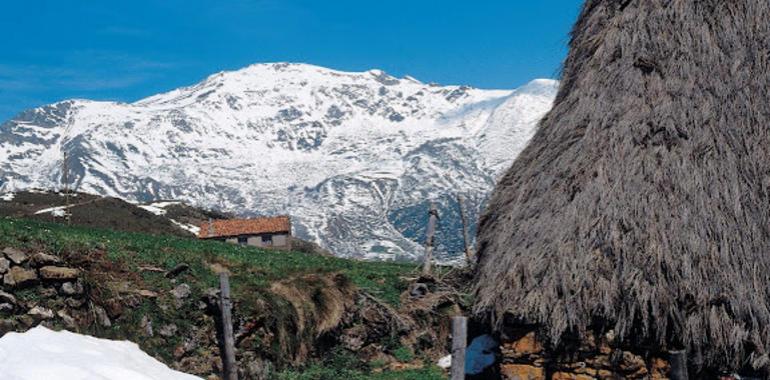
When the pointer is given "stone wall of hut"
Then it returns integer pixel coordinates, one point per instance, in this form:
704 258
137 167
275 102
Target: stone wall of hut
525 357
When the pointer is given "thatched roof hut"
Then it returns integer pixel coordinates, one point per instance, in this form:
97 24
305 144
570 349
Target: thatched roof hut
643 201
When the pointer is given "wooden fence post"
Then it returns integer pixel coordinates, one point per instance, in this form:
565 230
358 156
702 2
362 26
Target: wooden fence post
459 341
431 230
678 365
468 253
228 356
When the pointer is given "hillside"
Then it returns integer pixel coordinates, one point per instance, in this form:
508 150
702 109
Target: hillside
354 157
295 314
89 210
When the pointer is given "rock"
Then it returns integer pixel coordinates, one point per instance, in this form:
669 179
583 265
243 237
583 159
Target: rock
19 277
181 292
69 322
660 369
74 303
41 259
146 325
7 325
6 308
147 293
72 289
4 265
632 363
445 362
101 317
47 292
16 256
524 347
418 290
27 321
114 308
168 330
59 273
177 270
353 339
521 372
570 376
40 313
7 298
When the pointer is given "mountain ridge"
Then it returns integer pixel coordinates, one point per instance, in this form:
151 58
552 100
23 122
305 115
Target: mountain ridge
354 157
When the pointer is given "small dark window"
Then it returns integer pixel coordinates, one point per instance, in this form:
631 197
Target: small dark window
243 240
267 239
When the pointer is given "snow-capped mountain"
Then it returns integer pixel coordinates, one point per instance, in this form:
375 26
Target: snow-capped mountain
353 157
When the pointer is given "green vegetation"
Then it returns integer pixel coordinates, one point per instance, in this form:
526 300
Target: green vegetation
343 365
403 354
120 263
251 267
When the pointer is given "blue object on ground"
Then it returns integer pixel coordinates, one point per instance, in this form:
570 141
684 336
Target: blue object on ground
481 354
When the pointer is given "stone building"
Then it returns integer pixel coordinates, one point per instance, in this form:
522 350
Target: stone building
264 232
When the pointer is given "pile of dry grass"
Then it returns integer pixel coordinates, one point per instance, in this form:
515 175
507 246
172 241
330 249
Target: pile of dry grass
643 200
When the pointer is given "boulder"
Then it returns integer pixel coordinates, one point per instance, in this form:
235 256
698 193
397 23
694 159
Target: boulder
6 308
179 269
7 325
146 325
19 277
181 292
7 298
72 288
69 322
74 303
16 256
4 265
526 346
168 330
42 259
570 376
521 372
147 293
40 313
59 273
113 307
101 317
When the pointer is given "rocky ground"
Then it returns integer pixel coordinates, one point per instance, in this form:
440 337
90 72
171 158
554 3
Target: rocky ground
293 312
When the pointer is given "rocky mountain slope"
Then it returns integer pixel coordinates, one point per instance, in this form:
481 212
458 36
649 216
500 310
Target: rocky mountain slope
353 157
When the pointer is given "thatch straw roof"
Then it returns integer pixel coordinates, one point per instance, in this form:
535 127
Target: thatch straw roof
643 200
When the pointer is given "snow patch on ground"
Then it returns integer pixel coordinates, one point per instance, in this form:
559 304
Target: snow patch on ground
59 211
188 227
7 197
155 210
44 354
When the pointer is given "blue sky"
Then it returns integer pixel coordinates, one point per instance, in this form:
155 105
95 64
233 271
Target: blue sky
126 50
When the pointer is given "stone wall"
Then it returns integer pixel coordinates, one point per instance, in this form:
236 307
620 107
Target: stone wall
525 357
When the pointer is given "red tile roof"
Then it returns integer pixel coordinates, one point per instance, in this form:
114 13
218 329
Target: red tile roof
236 227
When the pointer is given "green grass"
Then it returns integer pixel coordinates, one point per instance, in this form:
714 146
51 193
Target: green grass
253 268
344 365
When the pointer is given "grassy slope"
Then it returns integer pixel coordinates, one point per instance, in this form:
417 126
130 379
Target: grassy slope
253 270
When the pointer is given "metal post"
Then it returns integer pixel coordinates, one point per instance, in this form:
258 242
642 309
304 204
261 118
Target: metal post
678 361
431 230
468 253
228 357
459 341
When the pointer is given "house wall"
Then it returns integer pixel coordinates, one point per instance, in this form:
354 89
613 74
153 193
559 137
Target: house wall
279 241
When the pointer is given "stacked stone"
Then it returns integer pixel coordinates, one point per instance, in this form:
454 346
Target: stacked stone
59 284
526 358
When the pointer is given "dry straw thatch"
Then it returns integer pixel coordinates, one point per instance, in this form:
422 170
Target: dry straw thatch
643 200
